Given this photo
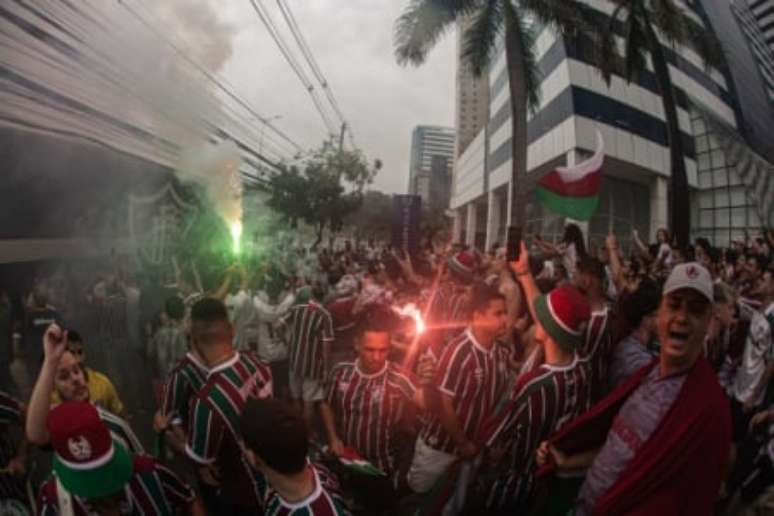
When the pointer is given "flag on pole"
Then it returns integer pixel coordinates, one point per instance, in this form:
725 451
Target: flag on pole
574 191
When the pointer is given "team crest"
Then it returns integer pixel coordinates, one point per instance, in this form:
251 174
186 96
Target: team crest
79 447
157 224
692 272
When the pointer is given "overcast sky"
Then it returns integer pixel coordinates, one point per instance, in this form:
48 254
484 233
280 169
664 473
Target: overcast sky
352 41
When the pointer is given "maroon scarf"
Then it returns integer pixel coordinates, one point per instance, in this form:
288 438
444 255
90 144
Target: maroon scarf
679 469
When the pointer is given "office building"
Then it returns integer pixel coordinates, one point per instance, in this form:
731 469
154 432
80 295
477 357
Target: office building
427 143
576 103
472 95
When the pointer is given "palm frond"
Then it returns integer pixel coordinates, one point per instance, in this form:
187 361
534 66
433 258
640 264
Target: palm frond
423 23
525 31
678 28
636 43
562 15
706 44
480 39
607 59
669 19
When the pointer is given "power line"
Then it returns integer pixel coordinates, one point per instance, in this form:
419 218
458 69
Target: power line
306 51
297 69
220 83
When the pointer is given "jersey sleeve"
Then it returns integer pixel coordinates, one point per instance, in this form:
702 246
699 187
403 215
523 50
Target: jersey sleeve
451 369
174 395
327 327
405 383
205 433
331 387
178 493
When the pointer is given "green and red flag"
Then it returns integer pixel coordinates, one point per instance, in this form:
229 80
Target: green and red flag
574 191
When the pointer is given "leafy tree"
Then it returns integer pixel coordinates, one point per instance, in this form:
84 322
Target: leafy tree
423 23
642 21
322 193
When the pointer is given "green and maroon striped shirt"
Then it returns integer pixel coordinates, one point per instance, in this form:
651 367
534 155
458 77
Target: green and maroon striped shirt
213 427
183 382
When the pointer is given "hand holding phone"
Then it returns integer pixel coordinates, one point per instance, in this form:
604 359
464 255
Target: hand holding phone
513 248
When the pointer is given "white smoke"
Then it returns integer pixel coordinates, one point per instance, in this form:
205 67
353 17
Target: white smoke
216 168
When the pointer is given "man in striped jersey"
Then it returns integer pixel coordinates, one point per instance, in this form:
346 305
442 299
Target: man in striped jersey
62 373
275 442
213 438
94 474
542 401
597 344
366 400
310 337
450 310
472 374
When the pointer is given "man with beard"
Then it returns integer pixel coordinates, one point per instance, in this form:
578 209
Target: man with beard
660 443
63 374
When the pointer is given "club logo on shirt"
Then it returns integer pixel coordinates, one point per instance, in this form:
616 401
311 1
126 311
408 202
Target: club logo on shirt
79 448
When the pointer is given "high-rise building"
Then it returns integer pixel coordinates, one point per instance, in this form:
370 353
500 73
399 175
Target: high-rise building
428 142
472 95
575 104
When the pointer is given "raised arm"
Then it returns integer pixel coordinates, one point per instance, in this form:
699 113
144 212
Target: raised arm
54 345
616 268
521 268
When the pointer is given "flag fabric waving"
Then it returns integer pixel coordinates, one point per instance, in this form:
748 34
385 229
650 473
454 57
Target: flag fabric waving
574 191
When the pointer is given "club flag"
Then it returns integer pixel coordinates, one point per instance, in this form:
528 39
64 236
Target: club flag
574 191
352 460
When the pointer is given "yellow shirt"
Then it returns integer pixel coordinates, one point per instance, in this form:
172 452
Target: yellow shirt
101 392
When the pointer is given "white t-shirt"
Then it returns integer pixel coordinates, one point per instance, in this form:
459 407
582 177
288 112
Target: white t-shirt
665 255
240 313
570 259
758 351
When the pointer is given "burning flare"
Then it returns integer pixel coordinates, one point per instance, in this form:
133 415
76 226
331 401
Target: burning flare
411 310
236 234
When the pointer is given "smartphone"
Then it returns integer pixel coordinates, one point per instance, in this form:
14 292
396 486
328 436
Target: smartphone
513 248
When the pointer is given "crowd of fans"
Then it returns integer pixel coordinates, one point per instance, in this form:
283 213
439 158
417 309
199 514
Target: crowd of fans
360 380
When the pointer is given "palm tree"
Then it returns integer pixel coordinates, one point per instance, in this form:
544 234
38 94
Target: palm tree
642 20
423 22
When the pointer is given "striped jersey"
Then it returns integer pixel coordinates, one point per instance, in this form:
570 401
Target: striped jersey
474 378
213 426
183 382
120 431
309 326
367 408
153 490
541 403
597 349
450 310
325 500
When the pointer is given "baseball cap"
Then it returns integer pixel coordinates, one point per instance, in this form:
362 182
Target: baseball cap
690 275
86 460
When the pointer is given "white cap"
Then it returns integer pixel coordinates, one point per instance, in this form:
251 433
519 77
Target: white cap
690 275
